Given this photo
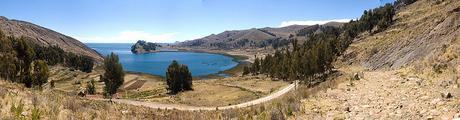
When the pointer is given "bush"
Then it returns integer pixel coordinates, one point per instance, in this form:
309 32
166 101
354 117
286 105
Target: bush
178 78
17 110
36 113
91 87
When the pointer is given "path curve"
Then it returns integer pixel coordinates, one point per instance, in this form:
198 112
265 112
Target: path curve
156 105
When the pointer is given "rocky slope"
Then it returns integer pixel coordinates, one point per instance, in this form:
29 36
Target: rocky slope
423 33
45 37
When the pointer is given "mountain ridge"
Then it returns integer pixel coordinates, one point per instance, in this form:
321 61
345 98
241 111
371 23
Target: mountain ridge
246 38
45 37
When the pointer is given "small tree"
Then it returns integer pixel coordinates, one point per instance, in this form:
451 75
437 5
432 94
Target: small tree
178 78
113 76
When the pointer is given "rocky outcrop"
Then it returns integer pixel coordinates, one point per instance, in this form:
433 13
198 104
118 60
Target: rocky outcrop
142 47
45 37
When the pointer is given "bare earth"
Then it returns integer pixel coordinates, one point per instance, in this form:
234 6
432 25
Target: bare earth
385 95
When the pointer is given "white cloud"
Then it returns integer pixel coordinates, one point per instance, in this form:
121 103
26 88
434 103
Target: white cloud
311 22
129 36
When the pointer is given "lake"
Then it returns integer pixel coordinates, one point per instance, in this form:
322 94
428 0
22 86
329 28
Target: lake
199 64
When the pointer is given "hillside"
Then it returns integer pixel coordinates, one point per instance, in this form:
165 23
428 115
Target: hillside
250 38
45 37
426 32
408 71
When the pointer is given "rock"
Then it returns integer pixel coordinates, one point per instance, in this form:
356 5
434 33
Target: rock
356 76
81 92
347 109
142 46
24 113
446 95
124 112
430 117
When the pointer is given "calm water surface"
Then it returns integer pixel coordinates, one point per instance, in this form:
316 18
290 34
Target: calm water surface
156 63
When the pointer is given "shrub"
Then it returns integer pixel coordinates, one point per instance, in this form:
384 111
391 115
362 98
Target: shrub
91 87
17 110
36 113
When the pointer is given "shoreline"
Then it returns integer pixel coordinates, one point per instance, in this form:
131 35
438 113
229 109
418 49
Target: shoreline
232 72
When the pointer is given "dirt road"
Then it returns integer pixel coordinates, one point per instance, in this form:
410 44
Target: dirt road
155 105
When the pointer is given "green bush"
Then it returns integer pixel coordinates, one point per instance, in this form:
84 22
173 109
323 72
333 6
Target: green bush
36 113
17 109
91 87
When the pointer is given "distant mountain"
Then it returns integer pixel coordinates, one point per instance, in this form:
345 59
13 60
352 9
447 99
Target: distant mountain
249 38
45 37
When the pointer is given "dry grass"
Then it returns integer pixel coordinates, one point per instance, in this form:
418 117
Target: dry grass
150 88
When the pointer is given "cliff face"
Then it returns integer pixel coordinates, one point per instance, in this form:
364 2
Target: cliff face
45 37
144 47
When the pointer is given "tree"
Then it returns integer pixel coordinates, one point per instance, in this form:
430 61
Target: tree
25 54
178 78
40 73
113 76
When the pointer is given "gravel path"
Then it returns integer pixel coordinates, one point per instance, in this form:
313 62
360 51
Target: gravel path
385 95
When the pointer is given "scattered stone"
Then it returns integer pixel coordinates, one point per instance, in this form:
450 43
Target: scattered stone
347 109
81 92
24 113
446 95
124 112
356 76
430 117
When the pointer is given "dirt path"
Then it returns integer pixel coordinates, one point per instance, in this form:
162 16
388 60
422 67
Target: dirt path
384 95
193 108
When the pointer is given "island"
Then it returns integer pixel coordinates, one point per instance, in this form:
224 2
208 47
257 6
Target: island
142 47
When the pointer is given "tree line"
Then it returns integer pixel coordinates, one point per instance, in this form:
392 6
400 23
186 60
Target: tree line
25 62
313 58
304 61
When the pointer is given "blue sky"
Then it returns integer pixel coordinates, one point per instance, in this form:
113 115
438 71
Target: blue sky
126 21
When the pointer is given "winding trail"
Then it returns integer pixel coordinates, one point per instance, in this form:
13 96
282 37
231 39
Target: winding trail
155 105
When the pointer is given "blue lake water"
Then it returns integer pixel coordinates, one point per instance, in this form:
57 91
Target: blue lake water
156 63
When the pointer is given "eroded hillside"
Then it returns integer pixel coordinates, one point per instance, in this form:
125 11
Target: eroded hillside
45 37
424 33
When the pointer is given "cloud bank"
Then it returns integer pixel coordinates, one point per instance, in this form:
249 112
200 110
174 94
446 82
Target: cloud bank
311 22
130 36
